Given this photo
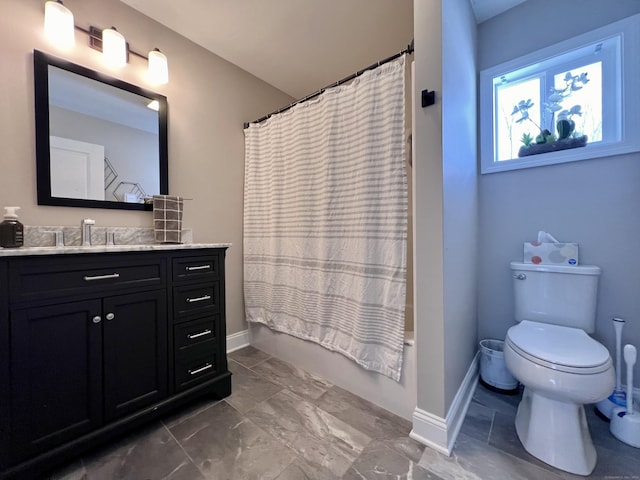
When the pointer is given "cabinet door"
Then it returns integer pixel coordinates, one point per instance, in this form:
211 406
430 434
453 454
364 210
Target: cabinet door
135 351
56 375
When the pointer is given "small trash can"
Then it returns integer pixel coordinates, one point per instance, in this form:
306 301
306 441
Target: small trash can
493 370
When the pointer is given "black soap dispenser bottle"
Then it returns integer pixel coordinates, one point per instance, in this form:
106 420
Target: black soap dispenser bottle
11 230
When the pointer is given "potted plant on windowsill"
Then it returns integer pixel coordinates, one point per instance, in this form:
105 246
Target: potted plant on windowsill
565 136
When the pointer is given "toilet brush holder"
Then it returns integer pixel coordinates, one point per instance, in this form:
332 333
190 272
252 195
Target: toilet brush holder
604 408
626 427
625 422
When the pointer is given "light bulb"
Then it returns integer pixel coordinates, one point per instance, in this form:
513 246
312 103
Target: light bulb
114 48
58 24
158 68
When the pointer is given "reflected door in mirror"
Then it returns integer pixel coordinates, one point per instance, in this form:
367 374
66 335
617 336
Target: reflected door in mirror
77 169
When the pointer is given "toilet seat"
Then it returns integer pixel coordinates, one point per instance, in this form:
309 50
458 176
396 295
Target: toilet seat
560 348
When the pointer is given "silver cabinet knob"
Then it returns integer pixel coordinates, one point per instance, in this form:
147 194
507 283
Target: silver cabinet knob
96 319
111 316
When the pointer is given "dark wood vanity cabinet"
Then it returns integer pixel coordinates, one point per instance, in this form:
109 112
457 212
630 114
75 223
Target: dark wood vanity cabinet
56 376
197 319
92 345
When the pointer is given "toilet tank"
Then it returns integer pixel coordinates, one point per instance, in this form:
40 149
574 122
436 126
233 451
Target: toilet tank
556 294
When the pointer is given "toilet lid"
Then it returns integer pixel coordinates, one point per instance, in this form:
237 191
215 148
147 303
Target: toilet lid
567 346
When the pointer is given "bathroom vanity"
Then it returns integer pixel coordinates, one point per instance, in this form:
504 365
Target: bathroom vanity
95 341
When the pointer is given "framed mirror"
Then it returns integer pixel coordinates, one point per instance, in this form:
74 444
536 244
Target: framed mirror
100 142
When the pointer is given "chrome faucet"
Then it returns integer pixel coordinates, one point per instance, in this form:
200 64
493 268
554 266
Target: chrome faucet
85 231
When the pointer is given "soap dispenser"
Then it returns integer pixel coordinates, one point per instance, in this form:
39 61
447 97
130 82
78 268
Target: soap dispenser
11 230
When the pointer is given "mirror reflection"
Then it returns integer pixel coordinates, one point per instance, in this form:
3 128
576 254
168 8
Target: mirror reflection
105 139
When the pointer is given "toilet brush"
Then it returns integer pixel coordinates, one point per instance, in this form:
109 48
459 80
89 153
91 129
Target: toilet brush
625 424
616 399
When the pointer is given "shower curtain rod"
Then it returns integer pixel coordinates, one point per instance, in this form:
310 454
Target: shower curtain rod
408 50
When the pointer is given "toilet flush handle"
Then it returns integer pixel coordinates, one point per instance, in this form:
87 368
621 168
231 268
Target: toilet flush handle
519 276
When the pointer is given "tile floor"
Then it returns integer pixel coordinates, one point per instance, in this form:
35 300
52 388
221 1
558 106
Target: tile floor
283 423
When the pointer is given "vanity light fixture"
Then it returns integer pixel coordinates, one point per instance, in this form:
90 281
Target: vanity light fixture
58 24
59 28
158 67
114 48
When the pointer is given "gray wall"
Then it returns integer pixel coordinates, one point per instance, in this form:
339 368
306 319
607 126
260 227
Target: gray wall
445 196
460 204
595 202
428 213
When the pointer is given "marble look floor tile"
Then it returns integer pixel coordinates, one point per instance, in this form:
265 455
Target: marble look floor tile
248 356
504 437
295 379
616 464
150 453
472 459
323 430
224 445
186 471
378 461
602 436
300 469
319 437
614 459
407 447
478 422
248 388
506 404
363 415
189 410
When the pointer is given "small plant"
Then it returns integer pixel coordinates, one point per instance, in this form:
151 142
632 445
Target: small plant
526 139
544 135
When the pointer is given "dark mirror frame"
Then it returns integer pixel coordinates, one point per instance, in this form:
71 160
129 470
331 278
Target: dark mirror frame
41 62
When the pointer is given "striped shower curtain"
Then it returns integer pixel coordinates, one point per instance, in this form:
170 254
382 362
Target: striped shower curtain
325 220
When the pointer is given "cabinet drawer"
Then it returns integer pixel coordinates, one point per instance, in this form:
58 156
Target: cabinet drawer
68 276
196 364
202 268
195 331
203 298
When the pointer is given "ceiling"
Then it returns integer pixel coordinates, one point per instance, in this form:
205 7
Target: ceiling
486 9
298 46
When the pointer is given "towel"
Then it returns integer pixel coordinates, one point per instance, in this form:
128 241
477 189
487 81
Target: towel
167 218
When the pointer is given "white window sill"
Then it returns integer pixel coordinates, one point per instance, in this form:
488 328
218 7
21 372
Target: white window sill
572 155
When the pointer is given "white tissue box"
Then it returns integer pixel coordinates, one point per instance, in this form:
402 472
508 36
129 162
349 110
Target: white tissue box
551 253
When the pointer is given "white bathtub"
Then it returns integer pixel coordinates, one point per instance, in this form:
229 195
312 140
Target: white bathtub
397 397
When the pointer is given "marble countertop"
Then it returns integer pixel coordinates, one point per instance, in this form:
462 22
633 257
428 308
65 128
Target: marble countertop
27 251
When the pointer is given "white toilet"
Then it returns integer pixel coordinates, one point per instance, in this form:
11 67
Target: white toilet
560 366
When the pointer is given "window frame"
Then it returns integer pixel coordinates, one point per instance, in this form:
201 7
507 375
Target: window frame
626 106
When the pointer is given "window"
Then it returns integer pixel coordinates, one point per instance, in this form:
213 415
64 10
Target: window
573 101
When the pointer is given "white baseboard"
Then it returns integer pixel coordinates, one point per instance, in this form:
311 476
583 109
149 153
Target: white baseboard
430 430
236 341
441 433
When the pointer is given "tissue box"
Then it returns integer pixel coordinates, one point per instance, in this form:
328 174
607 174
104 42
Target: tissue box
551 253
